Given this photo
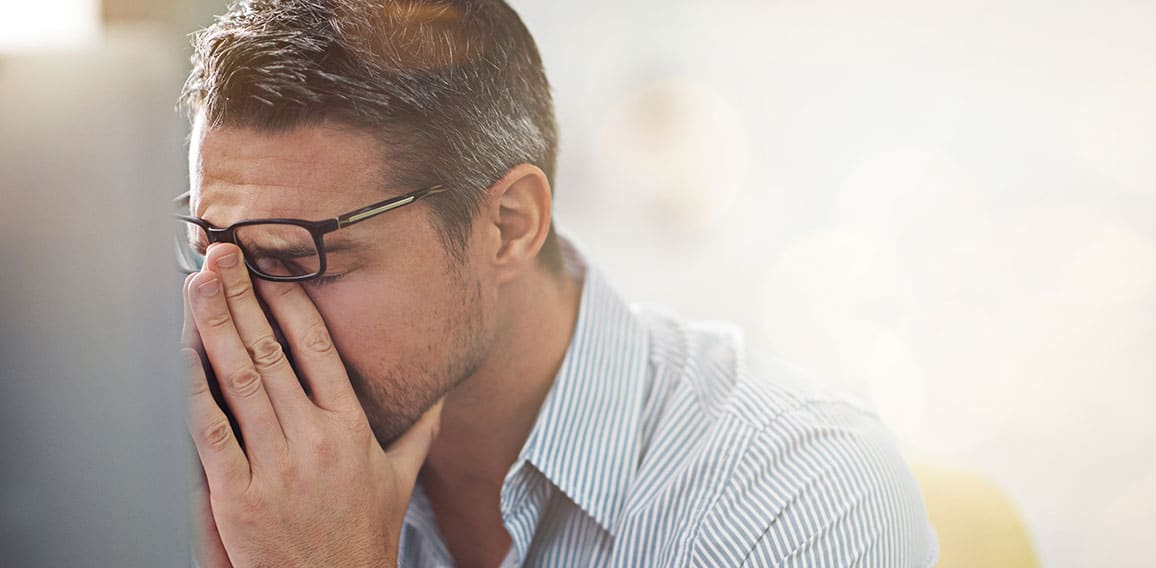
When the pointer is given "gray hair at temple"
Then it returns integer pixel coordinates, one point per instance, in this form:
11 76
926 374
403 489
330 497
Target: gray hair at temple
454 89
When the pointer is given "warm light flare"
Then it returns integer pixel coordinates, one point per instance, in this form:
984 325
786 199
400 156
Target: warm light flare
47 24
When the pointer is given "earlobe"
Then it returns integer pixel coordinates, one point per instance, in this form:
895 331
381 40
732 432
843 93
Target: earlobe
522 212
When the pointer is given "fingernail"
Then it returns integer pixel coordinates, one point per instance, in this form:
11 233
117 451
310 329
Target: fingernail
191 358
209 288
227 261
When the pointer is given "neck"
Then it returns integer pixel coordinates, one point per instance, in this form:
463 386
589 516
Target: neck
487 418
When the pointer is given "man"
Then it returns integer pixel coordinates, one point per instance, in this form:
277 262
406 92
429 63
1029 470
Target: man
459 386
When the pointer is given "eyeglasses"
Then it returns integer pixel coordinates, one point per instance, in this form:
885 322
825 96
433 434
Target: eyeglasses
281 250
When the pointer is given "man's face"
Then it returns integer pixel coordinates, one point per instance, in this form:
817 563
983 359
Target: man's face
408 319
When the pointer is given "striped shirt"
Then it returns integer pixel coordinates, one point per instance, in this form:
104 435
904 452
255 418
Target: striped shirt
661 443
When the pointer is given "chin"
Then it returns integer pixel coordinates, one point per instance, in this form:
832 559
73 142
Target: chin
394 402
396 398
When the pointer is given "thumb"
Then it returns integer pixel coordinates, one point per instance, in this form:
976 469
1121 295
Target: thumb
409 451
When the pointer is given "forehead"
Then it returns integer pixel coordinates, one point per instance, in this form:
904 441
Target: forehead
309 172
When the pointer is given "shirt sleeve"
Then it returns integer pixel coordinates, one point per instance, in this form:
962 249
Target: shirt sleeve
822 485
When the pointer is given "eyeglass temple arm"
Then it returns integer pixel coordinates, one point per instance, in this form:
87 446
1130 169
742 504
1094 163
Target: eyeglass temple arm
387 205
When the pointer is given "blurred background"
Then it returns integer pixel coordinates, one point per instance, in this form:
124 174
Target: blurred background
94 459
948 208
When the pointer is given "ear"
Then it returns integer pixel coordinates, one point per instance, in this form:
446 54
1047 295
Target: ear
519 208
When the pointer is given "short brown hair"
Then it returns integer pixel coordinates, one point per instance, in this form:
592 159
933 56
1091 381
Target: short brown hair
455 89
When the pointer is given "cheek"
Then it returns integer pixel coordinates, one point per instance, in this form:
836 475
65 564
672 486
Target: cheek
361 318
378 324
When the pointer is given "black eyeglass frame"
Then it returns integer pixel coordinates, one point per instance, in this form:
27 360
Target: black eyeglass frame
318 229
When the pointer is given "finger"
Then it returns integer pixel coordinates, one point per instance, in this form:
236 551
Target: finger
210 551
285 393
219 450
189 336
408 452
241 384
316 358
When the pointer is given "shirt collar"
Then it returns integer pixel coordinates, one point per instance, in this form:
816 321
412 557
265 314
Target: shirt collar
586 437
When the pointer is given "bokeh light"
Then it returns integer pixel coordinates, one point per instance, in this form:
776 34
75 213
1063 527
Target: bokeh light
678 144
27 26
947 209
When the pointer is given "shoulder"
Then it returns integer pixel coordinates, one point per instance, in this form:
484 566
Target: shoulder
803 475
711 363
820 485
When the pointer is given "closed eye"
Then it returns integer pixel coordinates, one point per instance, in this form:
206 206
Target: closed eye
324 280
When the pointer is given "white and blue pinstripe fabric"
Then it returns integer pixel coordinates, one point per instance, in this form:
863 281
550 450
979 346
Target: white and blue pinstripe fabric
661 444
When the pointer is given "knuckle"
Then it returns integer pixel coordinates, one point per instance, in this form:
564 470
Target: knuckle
217 434
197 384
278 289
245 382
359 427
287 469
317 339
218 320
238 290
323 448
266 352
251 506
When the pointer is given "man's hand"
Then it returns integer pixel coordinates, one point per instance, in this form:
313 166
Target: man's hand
312 487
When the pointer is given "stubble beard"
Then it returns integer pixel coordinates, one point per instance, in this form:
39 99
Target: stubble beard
395 400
